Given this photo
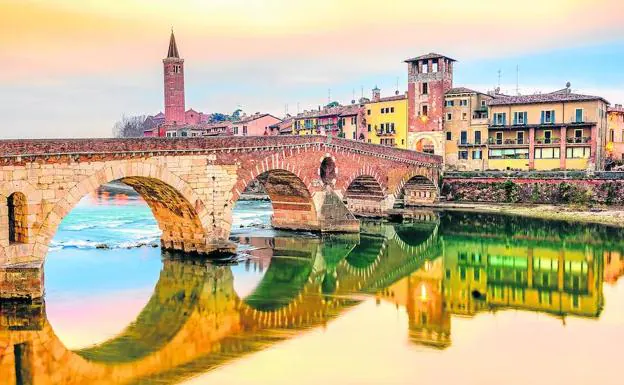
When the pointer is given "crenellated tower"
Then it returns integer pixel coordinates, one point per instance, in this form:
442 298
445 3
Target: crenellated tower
174 85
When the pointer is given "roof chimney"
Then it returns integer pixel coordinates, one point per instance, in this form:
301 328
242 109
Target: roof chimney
376 94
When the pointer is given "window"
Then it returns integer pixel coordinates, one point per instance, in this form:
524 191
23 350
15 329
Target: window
368 112
449 116
578 134
450 103
168 135
548 117
612 136
483 103
353 135
183 133
244 130
449 135
369 128
547 153
499 138
463 103
382 127
462 155
392 126
425 67
477 137
520 118
177 68
463 137
520 137
578 152
425 110
511 153
392 109
354 120
464 116
500 119
18 225
434 66
383 110
547 137
477 154
425 88
579 115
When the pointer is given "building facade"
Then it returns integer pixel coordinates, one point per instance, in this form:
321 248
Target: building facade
173 67
386 120
558 130
615 134
255 125
430 77
465 129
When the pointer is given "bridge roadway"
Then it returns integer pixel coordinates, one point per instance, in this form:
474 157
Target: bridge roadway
315 183
195 321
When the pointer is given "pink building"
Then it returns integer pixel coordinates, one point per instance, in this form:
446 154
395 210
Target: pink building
255 125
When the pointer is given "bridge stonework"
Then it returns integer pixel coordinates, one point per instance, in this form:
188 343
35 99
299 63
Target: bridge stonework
192 185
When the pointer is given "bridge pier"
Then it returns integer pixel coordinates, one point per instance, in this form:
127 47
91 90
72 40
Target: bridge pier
22 281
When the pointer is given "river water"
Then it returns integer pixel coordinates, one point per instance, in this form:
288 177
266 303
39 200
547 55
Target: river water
448 298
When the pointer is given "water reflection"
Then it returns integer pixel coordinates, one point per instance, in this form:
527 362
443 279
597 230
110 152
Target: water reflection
448 266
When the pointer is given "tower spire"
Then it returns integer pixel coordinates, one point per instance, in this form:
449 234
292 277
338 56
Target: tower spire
173 47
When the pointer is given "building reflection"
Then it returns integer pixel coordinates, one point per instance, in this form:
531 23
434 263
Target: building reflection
435 270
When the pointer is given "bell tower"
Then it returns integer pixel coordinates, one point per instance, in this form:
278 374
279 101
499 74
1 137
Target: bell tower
174 85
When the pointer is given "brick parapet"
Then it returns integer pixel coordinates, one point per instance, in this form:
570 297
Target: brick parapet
58 150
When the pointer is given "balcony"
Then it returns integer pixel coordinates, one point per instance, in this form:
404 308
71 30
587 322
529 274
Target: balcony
578 140
468 144
480 121
508 142
547 141
385 132
580 121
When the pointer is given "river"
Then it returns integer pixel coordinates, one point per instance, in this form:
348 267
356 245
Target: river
448 298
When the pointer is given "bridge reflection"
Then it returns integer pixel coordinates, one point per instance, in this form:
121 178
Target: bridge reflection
452 265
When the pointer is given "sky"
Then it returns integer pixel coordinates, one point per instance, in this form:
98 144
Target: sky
71 68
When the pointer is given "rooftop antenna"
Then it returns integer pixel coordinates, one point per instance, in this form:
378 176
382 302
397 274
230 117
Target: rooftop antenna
353 99
297 108
328 95
499 78
397 86
362 90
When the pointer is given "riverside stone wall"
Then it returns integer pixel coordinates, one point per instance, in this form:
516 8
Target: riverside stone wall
530 190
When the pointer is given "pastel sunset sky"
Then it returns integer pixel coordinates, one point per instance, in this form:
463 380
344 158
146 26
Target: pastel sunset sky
71 68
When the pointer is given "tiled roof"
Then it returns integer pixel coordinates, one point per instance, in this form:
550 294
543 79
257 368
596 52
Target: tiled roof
388 99
251 118
554 97
462 90
351 110
431 55
619 109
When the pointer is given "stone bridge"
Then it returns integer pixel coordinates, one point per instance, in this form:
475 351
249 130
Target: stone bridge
192 184
195 320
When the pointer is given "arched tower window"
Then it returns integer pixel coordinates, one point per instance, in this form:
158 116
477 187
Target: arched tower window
18 227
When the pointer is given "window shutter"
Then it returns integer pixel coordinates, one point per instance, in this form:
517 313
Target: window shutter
553 116
543 113
515 121
504 119
526 118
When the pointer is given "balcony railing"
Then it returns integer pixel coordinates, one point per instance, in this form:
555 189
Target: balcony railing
385 132
578 140
465 143
507 142
547 141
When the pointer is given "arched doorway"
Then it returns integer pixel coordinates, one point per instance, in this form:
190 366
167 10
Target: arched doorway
425 145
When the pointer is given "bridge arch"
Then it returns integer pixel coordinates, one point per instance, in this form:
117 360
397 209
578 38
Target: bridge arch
290 194
365 194
418 187
179 211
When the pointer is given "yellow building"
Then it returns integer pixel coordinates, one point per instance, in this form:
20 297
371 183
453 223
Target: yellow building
466 129
558 130
615 134
305 123
494 275
386 120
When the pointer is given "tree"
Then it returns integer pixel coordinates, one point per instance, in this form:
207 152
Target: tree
129 127
236 115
